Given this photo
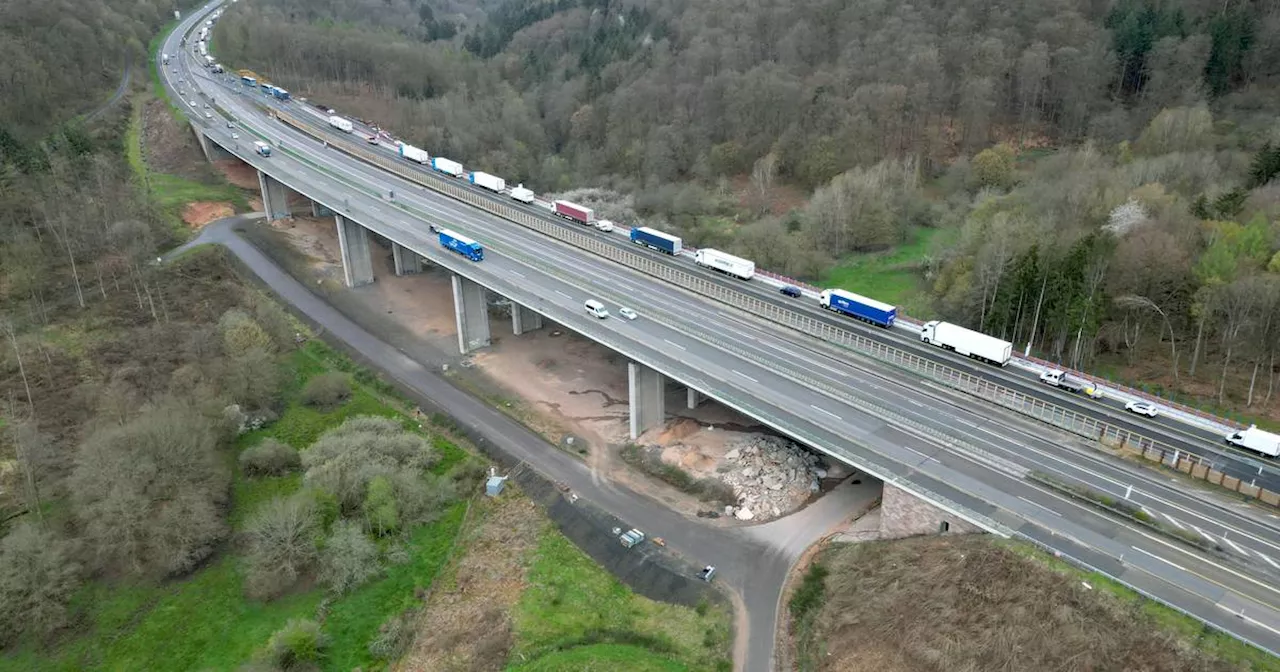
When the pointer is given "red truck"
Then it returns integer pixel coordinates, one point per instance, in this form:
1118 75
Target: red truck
574 212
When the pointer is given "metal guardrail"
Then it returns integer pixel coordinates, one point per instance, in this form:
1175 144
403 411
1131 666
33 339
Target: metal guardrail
1078 423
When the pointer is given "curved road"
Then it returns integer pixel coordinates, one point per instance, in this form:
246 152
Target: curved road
752 562
123 86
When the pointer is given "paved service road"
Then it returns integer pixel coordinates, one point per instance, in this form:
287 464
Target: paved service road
831 401
753 561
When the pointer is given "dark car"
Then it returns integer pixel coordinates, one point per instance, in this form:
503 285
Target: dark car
791 291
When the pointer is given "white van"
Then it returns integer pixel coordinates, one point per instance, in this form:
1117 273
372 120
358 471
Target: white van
596 308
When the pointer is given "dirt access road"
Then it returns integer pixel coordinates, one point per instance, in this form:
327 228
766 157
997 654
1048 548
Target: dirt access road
753 562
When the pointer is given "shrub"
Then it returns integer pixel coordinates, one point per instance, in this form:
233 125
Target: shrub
269 458
149 494
345 459
299 645
380 510
241 334
282 538
349 559
394 636
37 578
251 378
327 390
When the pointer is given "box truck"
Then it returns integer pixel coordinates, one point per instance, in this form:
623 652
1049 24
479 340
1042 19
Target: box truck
663 242
490 182
967 342
461 244
1256 440
858 307
262 148
341 124
447 166
414 154
523 195
725 263
574 212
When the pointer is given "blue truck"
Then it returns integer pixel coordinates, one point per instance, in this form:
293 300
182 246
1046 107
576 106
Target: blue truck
461 244
279 93
663 242
859 307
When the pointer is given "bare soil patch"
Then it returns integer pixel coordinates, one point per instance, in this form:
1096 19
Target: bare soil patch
169 146
199 213
966 604
466 622
238 173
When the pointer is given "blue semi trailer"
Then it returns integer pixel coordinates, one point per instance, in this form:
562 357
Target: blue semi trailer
859 307
658 240
462 245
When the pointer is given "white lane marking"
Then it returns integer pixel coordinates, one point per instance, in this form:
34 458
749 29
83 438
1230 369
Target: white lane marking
1174 521
518 274
1269 560
1167 562
1245 617
825 411
745 376
674 345
1189 553
1042 506
1239 550
563 294
1204 534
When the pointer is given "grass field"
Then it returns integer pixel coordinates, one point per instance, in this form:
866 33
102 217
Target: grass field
892 276
576 616
205 621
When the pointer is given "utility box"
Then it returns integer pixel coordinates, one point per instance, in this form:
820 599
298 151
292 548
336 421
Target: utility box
493 487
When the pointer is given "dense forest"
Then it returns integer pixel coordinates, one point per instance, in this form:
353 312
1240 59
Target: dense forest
1103 172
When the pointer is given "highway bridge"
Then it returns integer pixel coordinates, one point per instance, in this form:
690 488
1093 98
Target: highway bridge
795 368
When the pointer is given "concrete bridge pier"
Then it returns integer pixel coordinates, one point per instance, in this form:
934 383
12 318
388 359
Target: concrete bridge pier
472 312
357 258
693 398
318 209
524 319
647 396
275 197
406 261
212 151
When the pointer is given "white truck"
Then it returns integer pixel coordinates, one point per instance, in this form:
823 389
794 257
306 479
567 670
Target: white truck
967 342
447 166
340 123
262 148
414 154
523 195
490 182
1060 379
724 262
1256 440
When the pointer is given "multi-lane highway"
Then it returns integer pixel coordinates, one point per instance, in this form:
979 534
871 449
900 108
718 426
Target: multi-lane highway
923 438
1194 439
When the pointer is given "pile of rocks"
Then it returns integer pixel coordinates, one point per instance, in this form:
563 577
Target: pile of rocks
770 476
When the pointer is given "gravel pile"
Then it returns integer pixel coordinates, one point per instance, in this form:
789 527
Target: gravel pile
771 477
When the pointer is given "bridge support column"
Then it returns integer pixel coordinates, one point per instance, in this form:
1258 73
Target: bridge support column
472 312
212 151
357 258
275 197
694 398
524 319
319 210
407 262
648 402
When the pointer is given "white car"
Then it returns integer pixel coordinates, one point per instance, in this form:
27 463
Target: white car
192 103
235 136
208 115
627 313
1142 408
604 225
